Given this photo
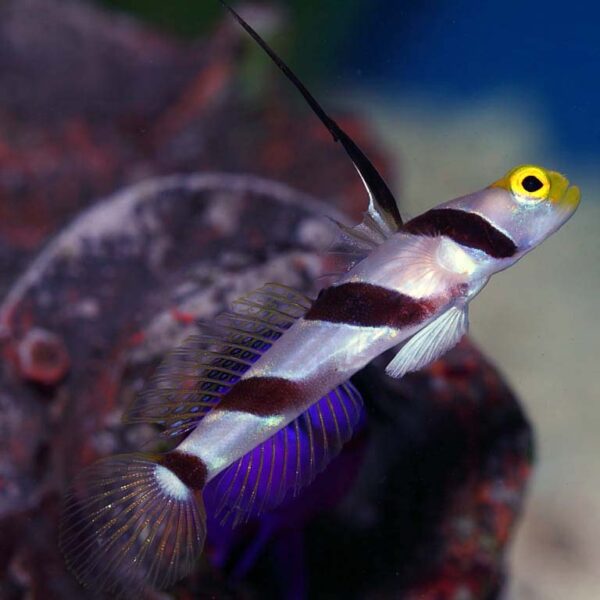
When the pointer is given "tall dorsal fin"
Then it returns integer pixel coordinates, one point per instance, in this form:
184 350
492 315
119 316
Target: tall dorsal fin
383 216
194 377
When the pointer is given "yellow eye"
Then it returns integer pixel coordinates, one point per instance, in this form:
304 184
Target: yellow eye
530 183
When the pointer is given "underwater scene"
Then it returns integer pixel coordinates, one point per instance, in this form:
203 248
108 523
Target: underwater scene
248 346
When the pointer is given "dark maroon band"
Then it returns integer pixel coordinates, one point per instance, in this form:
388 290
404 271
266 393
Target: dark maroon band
464 228
190 469
370 306
262 396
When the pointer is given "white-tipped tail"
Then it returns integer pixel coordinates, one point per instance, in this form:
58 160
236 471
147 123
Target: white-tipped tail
128 523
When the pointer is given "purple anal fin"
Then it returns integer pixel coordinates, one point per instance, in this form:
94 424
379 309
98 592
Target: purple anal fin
285 463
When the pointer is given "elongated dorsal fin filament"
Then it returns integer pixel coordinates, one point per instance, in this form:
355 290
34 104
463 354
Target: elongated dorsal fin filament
383 208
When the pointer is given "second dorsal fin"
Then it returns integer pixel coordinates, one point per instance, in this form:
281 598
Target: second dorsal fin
196 375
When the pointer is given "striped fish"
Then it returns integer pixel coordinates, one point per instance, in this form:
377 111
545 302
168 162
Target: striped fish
262 396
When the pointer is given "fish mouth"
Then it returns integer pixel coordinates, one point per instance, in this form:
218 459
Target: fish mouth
571 198
564 196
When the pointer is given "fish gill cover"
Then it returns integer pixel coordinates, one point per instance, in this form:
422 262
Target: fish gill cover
420 504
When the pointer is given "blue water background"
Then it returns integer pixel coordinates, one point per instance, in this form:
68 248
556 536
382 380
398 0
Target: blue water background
548 53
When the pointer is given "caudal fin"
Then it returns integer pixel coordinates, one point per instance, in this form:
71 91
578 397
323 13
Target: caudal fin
130 522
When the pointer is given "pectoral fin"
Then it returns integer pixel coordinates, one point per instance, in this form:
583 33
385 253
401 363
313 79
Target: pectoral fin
431 342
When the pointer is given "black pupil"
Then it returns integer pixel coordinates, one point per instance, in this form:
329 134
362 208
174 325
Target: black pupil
531 183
